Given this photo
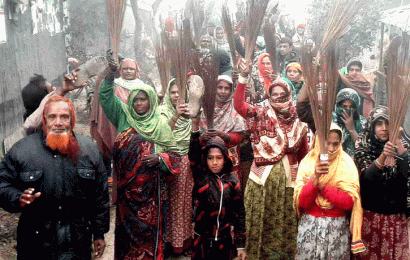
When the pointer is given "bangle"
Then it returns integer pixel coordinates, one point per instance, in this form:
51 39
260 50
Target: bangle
378 163
243 80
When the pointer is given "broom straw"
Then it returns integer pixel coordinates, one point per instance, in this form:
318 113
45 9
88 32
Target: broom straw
227 22
115 15
208 70
321 69
163 64
209 74
255 13
179 53
322 93
398 86
342 13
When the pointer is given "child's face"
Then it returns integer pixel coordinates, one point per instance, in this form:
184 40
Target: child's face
215 160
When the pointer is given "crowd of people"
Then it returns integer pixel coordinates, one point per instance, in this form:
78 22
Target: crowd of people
251 186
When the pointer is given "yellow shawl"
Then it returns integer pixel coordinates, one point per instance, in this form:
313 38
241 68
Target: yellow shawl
342 175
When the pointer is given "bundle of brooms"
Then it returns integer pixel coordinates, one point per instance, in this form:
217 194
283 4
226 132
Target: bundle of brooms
320 70
115 15
398 87
208 69
227 22
178 49
255 13
163 64
321 77
209 73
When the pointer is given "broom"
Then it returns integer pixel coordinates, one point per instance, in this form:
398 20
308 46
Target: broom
322 93
227 22
255 13
342 13
115 15
178 49
163 64
321 72
208 70
398 86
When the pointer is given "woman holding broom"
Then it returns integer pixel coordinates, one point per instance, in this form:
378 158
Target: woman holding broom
227 123
179 224
279 142
144 155
384 190
326 193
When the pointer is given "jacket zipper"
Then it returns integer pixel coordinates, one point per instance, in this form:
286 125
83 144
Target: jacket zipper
220 208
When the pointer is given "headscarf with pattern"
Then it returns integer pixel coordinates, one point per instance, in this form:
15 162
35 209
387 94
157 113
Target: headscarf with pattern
284 106
275 131
226 119
368 147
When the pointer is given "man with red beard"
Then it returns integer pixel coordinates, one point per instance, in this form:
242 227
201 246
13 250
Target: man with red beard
58 181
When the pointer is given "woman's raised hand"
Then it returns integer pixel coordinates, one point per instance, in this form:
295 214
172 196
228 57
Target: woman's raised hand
182 109
244 67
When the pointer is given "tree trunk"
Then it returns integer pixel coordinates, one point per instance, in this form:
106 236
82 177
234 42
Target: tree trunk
137 32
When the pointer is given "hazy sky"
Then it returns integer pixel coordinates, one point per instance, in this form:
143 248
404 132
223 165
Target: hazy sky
296 8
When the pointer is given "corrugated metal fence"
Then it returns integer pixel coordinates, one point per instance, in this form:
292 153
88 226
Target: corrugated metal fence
24 54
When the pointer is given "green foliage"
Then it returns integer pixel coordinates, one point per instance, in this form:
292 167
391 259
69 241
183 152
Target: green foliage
362 33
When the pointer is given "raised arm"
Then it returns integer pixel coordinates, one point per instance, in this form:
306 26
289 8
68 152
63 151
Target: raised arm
110 103
34 121
239 97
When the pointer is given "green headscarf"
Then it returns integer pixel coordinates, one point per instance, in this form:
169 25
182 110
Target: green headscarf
150 126
183 127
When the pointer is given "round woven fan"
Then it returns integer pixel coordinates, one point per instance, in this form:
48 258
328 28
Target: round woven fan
90 69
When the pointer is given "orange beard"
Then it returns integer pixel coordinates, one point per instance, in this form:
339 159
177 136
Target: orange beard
65 144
